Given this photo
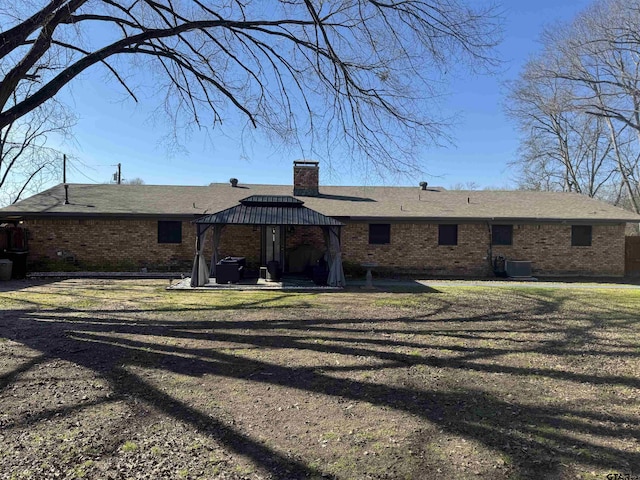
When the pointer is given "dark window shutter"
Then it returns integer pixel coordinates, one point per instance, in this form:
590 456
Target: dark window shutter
169 231
379 233
447 234
502 234
581 235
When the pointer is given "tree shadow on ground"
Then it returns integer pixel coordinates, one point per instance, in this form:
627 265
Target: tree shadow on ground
537 439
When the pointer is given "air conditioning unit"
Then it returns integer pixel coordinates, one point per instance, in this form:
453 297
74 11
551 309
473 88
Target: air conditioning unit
518 268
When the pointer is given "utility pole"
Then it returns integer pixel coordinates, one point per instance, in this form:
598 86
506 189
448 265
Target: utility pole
119 174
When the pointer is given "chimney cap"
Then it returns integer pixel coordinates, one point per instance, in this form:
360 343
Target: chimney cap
311 163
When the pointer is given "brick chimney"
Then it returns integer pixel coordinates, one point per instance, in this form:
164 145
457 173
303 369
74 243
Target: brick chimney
306 174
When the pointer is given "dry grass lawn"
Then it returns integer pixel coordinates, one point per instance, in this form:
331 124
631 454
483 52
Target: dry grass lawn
123 379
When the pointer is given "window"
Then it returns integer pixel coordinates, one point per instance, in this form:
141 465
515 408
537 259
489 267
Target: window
502 235
447 234
580 235
169 232
379 233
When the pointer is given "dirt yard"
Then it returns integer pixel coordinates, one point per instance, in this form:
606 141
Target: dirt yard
123 379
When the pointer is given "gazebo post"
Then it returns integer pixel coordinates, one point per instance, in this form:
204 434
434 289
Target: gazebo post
336 272
199 273
196 263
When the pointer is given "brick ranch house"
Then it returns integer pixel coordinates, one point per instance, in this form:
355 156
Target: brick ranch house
415 230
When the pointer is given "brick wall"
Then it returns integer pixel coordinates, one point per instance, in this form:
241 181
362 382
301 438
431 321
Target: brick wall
549 247
134 243
413 247
240 241
95 242
306 236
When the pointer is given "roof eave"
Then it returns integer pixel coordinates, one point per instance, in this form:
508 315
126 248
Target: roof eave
433 219
19 215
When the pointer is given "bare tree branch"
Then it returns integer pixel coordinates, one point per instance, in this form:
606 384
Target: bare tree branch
362 73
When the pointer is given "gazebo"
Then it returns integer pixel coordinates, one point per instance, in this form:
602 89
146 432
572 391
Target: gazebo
266 210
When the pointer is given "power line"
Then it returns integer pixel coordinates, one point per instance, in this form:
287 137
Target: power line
82 173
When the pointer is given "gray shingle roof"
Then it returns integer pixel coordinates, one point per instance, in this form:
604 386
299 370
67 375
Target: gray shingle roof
404 203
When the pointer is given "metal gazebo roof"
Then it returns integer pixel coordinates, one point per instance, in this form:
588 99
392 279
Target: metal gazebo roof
268 210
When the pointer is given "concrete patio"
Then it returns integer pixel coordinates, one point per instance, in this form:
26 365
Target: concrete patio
286 283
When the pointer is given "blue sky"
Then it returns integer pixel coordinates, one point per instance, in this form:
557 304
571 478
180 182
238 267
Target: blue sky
112 129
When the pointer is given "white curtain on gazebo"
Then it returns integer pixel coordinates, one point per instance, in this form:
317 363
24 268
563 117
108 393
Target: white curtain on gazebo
200 272
215 256
336 273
